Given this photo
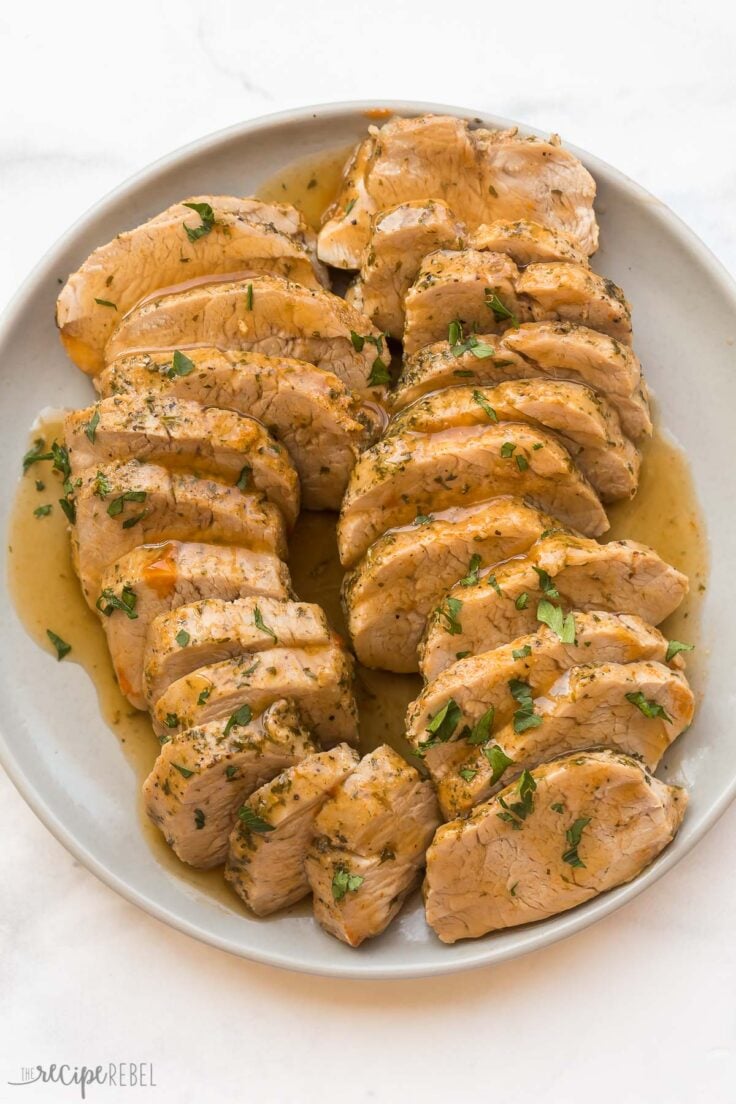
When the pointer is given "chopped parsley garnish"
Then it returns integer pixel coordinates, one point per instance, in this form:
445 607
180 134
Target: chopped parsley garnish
180 366
207 216
379 376
522 601
507 449
249 298
40 485
481 730
260 624
470 344
252 821
515 813
230 772
441 726
499 762
467 774
185 772
182 638
648 707
524 717
172 721
546 584
244 479
105 303
101 486
344 882
461 655
572 835
117 505
42 511
523 652
131 521
500 312
423 519
473 567
69 509
558 807
204 696
675 647
62 648
349 207
448 613
199 819
553 617
35 454
485 406
242 716
358 341
108 602
91 427
521 462
492 581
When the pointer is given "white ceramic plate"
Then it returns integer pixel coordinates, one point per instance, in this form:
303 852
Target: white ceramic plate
58 750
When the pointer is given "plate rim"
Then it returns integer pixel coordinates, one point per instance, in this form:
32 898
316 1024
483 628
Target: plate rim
530 937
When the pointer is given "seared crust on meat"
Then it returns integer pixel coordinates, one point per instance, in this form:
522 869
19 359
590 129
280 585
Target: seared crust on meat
481 174
263 314
410 475
202 776
245 235
121 506
153 579
370 841
269 843
404 573
317 679
321 423
181 434
587 822
590 705
575 573
526 242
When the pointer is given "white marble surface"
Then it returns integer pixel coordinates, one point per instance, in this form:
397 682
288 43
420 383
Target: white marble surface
638 1009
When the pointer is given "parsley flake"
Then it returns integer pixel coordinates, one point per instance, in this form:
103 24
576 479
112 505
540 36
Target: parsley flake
207 216
62 648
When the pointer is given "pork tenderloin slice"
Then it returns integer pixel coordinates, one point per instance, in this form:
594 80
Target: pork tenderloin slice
317 679
400 239
213 629
266 315
587 822
369 846
481 174
201 777
410 475
269 843
320 422
587 706
572 293
153 579
121 506
403 575
181 434
585 422
474 288
526 242
246 234
572 572
557 350
497 685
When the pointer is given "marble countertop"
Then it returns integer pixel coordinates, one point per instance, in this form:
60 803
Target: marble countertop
637 1009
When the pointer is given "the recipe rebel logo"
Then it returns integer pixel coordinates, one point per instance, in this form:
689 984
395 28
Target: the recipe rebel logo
119 1075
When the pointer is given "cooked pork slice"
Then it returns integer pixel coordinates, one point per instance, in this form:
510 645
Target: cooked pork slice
317 679
369 847
202 777
152 579
586 424
183 243
404 573
181 434
566 570
563 833
572 293
211 630
269 843
264 315
467 701
639 708
121 506
400 240
411 475
560 350
468 287
482 175
527 242
319 421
